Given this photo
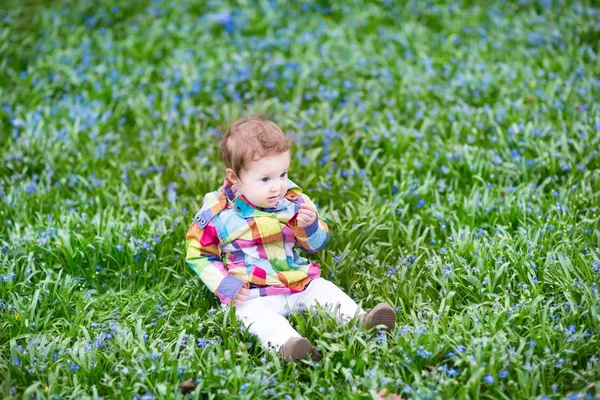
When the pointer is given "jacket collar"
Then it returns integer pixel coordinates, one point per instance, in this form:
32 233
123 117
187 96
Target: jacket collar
246 208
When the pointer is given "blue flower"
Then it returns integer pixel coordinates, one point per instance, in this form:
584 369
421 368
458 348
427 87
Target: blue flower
171 195
74 367
489 379
31 188
421 203
225 19
447 270
421 352
381 335
502 374
596 266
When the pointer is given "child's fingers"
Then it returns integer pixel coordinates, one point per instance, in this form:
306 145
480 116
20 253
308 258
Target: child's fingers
241 296
300 221
306 215
306 206
307 212
305 220
238 302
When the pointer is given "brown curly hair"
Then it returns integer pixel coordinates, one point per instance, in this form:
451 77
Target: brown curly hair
249 139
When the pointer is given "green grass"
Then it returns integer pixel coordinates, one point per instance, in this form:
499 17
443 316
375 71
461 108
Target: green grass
453 147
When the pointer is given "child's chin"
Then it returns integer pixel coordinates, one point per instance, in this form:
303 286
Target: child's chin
269 203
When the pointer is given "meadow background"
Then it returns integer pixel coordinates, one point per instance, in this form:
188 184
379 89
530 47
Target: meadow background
453 147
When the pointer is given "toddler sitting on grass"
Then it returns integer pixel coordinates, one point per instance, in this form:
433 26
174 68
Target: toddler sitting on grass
244 242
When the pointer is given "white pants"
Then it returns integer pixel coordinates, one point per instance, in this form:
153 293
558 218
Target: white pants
265 316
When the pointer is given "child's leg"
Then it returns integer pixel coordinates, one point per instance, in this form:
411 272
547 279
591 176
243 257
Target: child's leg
324 292
263 316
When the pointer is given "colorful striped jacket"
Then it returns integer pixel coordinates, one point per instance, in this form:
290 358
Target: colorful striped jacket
232 244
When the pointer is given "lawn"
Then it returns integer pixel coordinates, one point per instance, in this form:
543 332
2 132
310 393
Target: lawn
452 147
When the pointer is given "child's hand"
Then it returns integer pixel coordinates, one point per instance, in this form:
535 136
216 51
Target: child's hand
306 216
241 297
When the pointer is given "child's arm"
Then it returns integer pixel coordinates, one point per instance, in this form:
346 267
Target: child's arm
313 237
204 257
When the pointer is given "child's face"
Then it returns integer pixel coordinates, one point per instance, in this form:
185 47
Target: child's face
263 181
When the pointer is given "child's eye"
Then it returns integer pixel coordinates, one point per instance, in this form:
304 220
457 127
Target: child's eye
265 180
283 175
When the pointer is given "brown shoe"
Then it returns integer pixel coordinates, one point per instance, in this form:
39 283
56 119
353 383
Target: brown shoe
381 314
297 348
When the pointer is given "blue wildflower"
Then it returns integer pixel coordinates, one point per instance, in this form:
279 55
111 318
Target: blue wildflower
381 335
31 188
596 266
421 352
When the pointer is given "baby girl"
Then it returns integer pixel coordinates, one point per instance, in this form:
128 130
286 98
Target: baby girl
245 242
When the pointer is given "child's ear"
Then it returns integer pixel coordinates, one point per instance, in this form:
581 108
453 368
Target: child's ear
231 175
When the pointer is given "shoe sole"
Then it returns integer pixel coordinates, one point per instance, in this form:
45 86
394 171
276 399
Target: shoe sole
300 350
382 314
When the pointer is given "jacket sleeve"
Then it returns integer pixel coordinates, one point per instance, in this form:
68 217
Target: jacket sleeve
314 237
204 257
